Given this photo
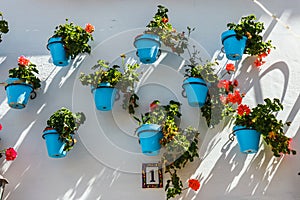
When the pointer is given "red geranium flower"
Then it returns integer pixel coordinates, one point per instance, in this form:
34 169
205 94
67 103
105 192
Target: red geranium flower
235 97
0 127
22 60
89 28
10 154
235 83
194 184
259 62
164 20
230 67
243 109
154 105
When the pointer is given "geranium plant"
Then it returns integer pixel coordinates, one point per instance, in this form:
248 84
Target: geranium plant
262 118
3 26
122 77
252 29
75 38
27 72
161 26
223 94
66 123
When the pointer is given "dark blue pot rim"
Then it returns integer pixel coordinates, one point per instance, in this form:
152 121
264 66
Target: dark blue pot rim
195 83
25 84
102 86
51 133
149 130
229 36
240 129
53 43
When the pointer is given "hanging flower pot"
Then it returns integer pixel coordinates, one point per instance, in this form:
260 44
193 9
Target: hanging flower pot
233 47
105 96
195 90
18 93
149 138
55 146
148 47
248 139
57 50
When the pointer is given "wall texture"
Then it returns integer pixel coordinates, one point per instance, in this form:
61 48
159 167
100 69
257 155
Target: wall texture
106 163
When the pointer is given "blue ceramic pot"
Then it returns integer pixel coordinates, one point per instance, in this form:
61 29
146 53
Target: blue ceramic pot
104 96
196 91
58 53
17 93
55 146
149 138
148 47
248 139
233 47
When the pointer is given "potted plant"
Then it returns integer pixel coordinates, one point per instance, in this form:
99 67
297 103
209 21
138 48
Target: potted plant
245 38
150 131
68 41
159 30
3 26
60 130
250 124
106 80
21 83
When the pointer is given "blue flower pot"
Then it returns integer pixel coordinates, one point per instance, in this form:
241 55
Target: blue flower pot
58 53
196 91
17 93
233 47
149 138
248 139
148 47
55 146
104 96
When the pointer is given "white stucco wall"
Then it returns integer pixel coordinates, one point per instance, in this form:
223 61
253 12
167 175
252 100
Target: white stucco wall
104 164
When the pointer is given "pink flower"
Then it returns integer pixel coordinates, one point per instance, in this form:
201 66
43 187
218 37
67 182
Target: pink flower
10 154
89 28
224 84
22 60
243 109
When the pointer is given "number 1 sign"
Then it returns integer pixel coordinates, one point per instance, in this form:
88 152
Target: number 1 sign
152 175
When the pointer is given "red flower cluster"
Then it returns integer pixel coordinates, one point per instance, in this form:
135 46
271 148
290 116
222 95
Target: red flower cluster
0 127
194 184
164 20
89 28
243 109
259 60
154 105
22 60
228 85
235 97
10 154
230 67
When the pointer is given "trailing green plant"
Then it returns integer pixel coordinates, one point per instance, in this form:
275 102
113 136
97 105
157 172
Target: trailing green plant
180 145
262 118
75 38
161 26
3 26
26 72
66 123
122 77
183 148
